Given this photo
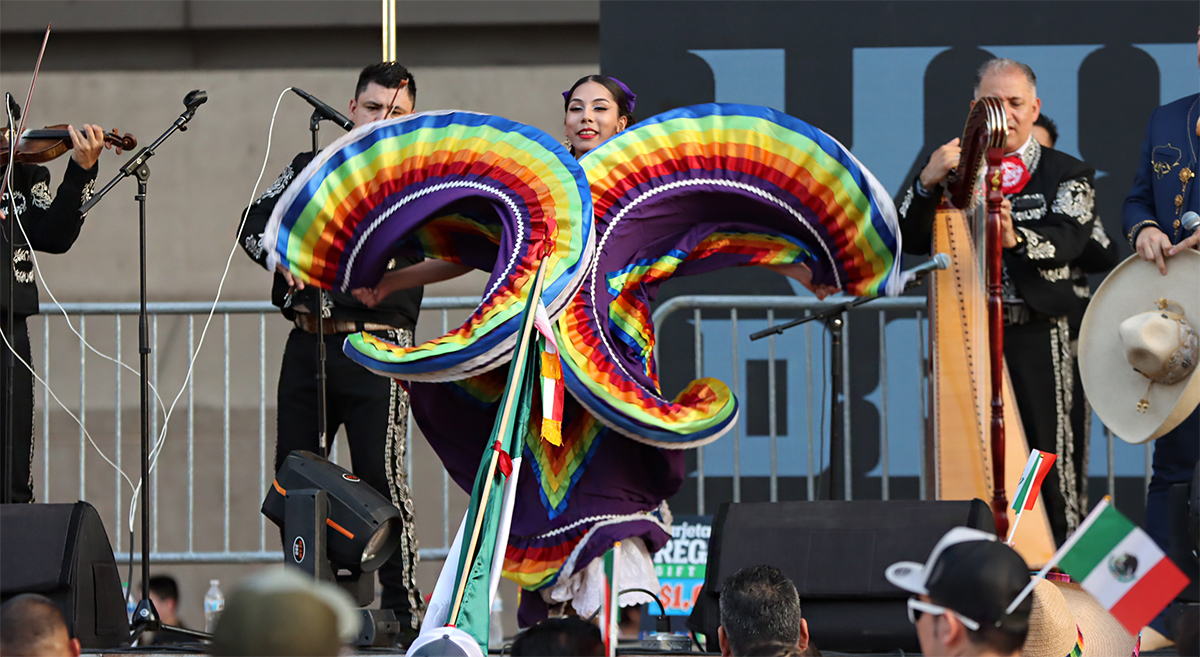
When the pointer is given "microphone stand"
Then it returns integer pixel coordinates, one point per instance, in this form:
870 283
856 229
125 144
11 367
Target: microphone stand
314 125
834 319
145 617
10 361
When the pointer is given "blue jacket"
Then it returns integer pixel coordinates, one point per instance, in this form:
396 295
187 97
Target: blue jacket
1164 187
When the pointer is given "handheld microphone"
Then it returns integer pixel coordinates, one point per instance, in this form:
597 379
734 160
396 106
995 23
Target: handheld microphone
325 110
1191 221
937 262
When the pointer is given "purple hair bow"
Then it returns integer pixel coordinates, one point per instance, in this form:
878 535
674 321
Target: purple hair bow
628 93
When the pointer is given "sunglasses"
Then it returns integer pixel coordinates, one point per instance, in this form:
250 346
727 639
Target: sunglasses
916 607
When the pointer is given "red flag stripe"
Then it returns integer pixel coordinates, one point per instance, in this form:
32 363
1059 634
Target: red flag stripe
1152 592
1040 476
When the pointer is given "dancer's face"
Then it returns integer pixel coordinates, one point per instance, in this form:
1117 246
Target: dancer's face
592 117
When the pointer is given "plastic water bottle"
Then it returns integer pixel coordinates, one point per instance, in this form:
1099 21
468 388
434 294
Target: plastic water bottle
214 604
496 624
130 604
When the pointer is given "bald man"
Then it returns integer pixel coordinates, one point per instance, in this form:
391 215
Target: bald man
31 625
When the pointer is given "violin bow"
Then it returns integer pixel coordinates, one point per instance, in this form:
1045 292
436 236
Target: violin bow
14 138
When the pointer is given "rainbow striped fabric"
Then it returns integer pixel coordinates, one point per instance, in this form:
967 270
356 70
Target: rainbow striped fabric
464 187
694 190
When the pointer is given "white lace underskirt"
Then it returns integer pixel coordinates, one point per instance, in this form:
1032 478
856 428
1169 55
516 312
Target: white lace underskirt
585 589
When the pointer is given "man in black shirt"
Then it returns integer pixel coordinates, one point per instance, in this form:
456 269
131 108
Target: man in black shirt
51 225
373 409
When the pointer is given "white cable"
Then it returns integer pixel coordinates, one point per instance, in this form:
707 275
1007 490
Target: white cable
161 440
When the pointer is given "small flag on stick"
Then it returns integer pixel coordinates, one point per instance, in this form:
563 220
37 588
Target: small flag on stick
1120 565
610 609
1036 469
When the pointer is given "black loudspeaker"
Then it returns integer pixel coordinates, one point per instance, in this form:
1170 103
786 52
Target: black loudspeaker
62 552
835 553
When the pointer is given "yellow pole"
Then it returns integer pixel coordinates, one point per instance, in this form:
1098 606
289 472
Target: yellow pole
391 31
384 24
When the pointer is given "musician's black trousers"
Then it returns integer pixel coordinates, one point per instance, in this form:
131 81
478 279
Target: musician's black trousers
374 411
21 438
1054 414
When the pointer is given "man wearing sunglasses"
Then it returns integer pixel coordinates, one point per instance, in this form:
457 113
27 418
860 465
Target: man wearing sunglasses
963 593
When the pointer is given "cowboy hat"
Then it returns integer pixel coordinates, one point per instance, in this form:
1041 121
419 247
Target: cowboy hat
1067 621
1137 347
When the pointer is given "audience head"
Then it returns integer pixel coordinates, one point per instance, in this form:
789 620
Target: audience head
760 607
164 593
377 85
30 624
281 611
444 642
1045 131
962 595
559 636
1015 85
597 107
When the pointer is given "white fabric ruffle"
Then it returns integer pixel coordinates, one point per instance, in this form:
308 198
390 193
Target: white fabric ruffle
585 589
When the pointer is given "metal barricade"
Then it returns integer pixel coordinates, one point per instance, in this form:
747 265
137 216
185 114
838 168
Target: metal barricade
231 373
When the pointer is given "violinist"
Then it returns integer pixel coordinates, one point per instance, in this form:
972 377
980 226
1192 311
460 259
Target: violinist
43 222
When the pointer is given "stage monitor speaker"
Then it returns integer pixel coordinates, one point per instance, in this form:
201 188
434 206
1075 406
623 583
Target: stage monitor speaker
835 553
62 552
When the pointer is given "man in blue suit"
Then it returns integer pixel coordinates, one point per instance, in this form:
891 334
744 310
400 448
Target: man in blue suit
1163 192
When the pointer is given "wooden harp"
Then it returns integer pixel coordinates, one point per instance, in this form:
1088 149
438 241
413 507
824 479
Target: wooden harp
974 438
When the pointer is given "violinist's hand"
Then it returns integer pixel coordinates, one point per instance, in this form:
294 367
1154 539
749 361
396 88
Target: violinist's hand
87 144
802 274
941 162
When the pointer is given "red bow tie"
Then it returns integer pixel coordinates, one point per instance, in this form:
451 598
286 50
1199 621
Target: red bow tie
1015 175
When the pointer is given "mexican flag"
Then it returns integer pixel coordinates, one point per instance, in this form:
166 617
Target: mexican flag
1036 469
467 585
610 610
1121 566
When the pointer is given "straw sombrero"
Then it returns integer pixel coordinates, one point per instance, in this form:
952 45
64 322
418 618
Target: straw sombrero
1103 635
1052 628
1137 347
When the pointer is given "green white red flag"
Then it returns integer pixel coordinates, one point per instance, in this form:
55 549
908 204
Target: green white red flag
1036 469
609 607
1121 566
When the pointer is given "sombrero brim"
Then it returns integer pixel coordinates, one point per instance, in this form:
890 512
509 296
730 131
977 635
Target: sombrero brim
1112 386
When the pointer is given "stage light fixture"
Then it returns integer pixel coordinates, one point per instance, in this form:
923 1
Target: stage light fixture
362 527
336 528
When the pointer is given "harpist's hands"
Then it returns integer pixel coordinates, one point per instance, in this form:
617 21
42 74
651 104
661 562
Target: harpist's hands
1008 235
941 162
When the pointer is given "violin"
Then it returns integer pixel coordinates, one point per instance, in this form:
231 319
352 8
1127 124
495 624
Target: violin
37 146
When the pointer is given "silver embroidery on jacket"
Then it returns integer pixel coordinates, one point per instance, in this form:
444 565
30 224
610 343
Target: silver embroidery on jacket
1036 247
254 246
23 274
88 190
1033 213
279 185
1055 275
1076 199
908 197
17 199
41 195
1099 234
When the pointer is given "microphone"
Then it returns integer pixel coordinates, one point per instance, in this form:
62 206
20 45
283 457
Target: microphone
195 98
15 109
1191 221
939 261
325 110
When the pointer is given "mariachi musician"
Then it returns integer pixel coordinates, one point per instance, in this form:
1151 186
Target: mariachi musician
47 223
1047 221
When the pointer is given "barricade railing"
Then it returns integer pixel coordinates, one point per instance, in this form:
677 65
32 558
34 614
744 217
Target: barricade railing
196 313
900 399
